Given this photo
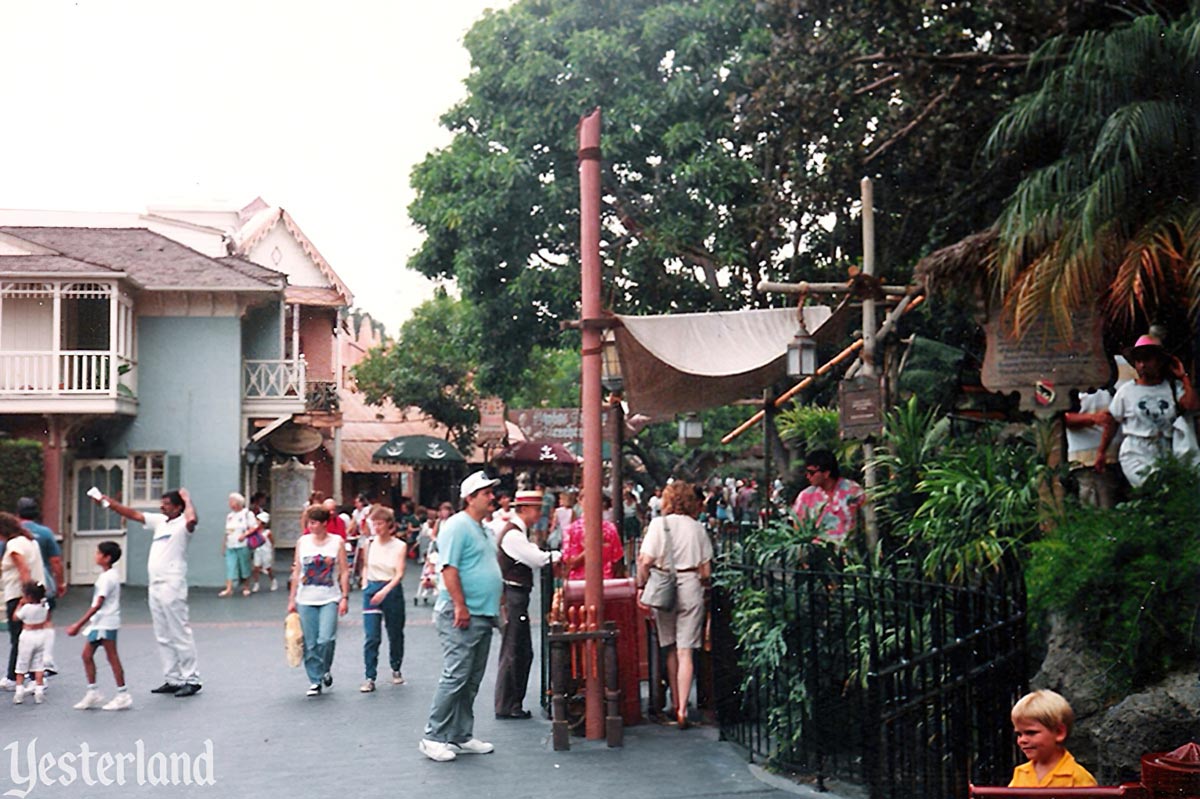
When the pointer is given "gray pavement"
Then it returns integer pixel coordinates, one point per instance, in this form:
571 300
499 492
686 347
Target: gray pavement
267 737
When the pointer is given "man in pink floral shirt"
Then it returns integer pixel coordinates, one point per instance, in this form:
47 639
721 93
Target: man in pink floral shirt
831 501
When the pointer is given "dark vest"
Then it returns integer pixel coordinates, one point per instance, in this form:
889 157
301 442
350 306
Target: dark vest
511 570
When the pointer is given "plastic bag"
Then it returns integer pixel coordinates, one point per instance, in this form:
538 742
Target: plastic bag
293 639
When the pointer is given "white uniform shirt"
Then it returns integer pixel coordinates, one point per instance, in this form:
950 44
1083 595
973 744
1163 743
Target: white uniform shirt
168 547
108 617
516 545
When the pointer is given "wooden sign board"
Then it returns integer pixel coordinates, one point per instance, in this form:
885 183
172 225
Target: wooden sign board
860 408
492 427
1044 365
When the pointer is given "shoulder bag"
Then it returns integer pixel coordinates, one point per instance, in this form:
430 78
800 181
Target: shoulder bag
659 591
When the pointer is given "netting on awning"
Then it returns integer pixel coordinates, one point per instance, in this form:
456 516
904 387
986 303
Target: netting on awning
688 362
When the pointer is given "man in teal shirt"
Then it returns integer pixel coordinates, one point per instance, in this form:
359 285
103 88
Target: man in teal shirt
466 612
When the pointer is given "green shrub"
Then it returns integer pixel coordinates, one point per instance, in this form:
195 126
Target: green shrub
20 472
1129 577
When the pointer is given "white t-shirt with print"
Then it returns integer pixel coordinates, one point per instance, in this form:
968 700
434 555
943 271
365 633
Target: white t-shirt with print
1146 411
237 524
168 546
108 617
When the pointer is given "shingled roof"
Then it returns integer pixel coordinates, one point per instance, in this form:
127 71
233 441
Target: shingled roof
153 261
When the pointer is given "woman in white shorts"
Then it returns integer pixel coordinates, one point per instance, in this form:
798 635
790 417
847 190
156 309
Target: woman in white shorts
681 629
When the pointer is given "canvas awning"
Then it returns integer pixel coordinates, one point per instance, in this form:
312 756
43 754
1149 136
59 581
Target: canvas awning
688 362
425 452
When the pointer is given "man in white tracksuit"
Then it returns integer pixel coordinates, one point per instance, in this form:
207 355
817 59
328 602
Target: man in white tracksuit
167 572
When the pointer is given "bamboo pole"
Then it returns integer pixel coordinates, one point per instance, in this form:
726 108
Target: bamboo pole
906 305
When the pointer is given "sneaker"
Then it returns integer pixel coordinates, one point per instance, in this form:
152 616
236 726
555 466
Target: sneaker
191 689
472 747
167 688
367 687
8 685
50 671
397 678
90 700
274 584
436 750
327 680
39 696
254 588
122 701
314 689
19 694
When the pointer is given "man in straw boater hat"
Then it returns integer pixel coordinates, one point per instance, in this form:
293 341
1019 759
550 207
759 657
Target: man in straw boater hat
518 558
1146 409
466 611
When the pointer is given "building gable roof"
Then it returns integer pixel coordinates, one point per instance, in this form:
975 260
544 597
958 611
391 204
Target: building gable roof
258 229
152 260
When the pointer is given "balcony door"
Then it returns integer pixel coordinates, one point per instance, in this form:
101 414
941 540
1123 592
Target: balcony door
89 523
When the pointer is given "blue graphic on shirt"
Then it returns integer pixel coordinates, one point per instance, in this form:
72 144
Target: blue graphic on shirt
318 570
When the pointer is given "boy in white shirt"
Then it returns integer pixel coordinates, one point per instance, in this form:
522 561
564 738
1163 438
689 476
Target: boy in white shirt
103 619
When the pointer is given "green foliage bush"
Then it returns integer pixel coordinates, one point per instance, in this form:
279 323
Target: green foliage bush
20 472
1128 577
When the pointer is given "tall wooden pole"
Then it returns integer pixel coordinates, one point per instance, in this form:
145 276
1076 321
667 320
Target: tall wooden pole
868 353
589 245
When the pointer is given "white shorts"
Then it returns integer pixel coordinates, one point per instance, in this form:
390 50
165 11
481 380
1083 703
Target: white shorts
263 557
31 649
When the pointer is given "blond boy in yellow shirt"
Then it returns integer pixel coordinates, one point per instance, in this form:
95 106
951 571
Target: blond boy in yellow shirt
1042 721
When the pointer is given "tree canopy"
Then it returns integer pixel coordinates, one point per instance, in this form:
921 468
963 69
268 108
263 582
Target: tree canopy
429 366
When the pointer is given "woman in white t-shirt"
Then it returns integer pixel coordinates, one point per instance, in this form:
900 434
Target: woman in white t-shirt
320 593
691 554
383 596
239 523
22 562
1146 409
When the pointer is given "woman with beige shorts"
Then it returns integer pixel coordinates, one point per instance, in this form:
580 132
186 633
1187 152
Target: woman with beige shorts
680 630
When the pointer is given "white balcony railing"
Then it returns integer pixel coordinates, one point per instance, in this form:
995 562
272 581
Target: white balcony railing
266 380
66 373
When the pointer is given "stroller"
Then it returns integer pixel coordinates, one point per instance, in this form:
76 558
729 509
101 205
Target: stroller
427 587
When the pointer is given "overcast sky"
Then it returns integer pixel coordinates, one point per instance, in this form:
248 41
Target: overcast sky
320 107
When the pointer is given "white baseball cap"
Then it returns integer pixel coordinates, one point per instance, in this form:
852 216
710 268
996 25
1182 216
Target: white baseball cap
476 481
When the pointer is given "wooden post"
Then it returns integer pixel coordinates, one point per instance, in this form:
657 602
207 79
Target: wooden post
559 659
589 240
614 725
868 355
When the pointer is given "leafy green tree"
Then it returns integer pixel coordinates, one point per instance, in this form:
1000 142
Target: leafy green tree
901 92
1110 204
499 204
551 379
429 366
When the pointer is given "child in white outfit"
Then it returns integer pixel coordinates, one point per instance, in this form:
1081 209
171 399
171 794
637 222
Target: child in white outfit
103 620
34 613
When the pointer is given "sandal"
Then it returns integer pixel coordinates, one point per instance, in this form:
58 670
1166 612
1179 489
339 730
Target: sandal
226 592
245 592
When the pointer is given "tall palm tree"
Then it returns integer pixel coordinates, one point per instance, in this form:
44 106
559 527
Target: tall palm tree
1111 204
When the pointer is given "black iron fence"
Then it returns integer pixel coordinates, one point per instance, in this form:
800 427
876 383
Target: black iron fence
882 678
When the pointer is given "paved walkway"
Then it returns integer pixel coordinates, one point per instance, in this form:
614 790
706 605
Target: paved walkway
267 737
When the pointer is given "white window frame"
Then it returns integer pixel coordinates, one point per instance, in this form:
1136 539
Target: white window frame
142 467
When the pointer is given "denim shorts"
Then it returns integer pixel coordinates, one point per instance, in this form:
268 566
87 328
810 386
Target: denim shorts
96 636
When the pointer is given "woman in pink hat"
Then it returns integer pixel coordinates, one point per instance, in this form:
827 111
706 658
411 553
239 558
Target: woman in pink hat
1146 409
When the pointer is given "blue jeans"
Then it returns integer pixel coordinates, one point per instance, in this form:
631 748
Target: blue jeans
388 613
319 624
464 659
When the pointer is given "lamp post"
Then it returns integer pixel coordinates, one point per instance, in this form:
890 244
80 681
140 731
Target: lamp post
802 351
613 382
691 430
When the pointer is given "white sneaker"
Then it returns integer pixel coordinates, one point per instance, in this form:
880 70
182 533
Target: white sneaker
274 584
122 701
367 687
472 747
18 694
436 750
90 700
8 685
39 696
254 588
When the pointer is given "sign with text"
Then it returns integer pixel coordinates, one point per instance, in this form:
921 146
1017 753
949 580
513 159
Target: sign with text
1044 364
860 407
492 428
563 425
